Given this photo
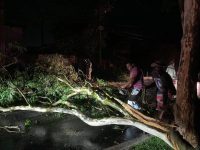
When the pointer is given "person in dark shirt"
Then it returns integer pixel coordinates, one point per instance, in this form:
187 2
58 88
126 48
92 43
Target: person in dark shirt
165 87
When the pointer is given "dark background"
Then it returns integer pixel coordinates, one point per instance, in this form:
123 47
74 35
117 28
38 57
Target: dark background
113 30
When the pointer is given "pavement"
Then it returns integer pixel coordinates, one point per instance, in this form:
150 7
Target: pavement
63 132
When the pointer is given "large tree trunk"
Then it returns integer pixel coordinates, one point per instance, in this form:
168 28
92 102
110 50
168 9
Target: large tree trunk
187 104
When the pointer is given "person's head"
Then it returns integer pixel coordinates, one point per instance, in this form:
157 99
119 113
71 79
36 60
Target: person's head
172 62
157 66
129 66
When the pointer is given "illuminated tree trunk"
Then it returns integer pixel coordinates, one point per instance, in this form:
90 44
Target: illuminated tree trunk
187 104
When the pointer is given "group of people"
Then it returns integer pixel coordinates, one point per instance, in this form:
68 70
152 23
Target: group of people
162 80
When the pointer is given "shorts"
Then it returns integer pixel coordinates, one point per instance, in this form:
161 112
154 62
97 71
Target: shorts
134 104
135 94
133 98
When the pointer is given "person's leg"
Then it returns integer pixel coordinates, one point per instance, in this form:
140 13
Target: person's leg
160 105
161 114
160 102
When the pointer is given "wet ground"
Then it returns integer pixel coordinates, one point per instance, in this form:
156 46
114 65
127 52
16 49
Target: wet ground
61 132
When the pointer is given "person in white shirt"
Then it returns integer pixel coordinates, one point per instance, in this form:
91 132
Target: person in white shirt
171 70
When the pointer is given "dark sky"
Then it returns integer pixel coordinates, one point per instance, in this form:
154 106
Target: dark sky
153 18
27 11
143 23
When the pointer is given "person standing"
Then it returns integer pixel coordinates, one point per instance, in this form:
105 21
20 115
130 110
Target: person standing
165 87
171 70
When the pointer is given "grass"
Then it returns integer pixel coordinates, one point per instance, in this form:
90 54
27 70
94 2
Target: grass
153 143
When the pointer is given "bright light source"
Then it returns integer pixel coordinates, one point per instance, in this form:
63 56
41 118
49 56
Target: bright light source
198 90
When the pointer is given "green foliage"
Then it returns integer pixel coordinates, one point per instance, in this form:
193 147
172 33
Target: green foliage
7 95
153 143
40 86
43 88
101 82
91 107
27 124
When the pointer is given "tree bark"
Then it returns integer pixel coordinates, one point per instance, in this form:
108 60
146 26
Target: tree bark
186 110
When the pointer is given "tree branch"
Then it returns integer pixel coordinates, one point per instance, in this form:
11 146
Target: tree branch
94 122
11 129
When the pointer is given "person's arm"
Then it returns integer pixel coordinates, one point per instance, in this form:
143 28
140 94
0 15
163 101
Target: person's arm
128 84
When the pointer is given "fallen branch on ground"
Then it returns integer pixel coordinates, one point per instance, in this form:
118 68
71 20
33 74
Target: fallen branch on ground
11 129
169 136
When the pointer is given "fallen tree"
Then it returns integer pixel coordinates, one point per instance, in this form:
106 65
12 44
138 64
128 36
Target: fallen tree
93 104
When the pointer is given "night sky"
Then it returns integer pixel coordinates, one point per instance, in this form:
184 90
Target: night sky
141 27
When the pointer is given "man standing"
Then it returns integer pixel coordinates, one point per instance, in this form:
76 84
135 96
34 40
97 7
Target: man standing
165 87
135 84
171 70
